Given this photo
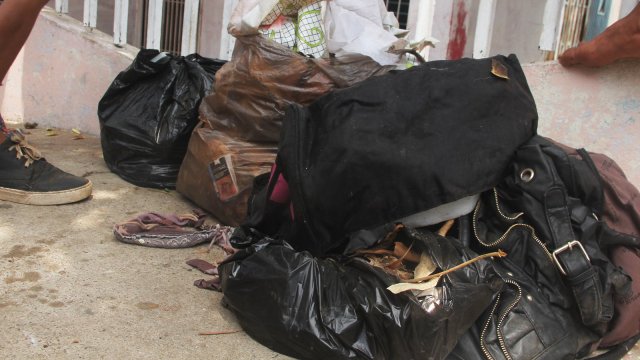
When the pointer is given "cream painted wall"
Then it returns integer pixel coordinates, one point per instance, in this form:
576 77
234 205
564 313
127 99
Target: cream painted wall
63 72
598 109
517 28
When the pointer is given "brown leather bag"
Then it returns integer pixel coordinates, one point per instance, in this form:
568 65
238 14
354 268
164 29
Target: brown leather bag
621 214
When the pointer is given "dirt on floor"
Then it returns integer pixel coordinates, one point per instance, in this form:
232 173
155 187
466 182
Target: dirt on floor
70 290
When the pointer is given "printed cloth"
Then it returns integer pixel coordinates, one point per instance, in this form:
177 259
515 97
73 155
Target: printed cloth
296 24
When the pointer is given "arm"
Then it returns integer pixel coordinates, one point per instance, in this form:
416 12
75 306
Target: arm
17 18
619 41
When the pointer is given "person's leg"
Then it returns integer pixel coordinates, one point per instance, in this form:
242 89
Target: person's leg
619 41
17 18
25 176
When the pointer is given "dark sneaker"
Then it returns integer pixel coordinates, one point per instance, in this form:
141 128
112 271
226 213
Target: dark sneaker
27 178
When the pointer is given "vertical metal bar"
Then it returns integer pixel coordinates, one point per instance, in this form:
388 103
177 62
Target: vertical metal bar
561 26
62 6
90 17
581 21
550 25
227 42
173 29
176 24
573 19
167 25
190 26
614 12
120 22
179 24
426 11
484 28
154 27
566 32
173 32
176 18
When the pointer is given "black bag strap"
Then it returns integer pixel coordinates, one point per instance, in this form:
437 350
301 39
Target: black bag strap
573 261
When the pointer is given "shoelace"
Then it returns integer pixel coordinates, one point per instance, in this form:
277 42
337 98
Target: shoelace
24 149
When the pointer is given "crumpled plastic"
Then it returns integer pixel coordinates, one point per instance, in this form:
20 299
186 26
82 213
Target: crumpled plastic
314 308
148 113
243 116
357 27
248 15
222 189
348 27
253 90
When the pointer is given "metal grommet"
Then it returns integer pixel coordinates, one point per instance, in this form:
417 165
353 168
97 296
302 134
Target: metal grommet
527 175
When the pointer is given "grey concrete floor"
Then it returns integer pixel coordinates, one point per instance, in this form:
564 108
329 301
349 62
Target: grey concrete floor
70 290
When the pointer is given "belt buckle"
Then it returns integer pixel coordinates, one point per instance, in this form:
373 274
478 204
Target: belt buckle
569 246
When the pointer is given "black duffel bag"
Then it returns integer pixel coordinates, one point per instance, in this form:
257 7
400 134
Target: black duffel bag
401 143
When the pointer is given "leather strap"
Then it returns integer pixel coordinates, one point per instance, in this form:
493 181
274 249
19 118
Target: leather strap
573 261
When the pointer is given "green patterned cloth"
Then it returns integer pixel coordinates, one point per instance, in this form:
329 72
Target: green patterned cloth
296 24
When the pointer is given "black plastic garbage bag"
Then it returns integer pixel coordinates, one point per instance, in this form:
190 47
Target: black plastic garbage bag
148 113
313 308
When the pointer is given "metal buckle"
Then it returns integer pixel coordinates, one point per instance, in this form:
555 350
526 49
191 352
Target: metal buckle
568 246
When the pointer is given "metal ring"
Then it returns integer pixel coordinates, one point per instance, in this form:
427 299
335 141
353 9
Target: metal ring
527 175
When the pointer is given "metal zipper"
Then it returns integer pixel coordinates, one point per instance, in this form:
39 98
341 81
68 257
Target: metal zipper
483 334
503 346
497 200
506 233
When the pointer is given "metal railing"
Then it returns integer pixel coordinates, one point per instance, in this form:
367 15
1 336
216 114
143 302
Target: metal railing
173 25
168 27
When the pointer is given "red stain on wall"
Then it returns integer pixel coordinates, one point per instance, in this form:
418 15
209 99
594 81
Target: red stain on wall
458 32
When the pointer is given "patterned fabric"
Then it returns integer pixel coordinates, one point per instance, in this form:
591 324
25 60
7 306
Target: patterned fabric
173 231
296 24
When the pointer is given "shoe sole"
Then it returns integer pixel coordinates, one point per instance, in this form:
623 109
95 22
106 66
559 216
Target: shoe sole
46 198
